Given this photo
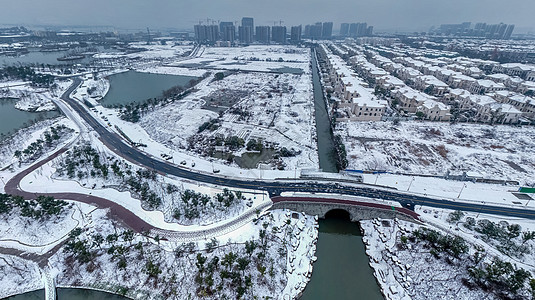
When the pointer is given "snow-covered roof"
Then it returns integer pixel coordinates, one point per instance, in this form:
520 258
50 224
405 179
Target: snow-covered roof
430 104
520 66
504 108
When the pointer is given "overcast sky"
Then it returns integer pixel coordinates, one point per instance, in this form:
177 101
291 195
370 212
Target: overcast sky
389 15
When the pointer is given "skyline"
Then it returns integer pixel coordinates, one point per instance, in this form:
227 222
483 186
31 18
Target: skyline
384 15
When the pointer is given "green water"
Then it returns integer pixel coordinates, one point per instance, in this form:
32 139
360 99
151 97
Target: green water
14 119
326 150
132 86
341 271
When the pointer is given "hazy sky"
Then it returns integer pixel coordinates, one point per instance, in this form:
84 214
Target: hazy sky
391 15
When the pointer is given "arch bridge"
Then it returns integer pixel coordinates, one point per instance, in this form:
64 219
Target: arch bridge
357 210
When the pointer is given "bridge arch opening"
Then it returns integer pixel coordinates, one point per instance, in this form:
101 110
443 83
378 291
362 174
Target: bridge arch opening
338 213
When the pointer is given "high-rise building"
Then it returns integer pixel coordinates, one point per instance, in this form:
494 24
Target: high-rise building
247 25
327 30
228 33
344 29
509 31
247 21
313 31
222 25
295 34
206 33
501 31
278 34
263 34
245 34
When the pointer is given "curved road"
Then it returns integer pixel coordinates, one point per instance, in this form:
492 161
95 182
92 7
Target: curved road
116 144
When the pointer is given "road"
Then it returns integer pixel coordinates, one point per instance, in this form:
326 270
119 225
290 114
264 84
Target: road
115 143
408 200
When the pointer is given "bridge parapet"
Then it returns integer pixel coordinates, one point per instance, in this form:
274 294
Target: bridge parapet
357 210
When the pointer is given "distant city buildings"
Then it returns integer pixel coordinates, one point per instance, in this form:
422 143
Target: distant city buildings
246 33
355 29
483 30
319 31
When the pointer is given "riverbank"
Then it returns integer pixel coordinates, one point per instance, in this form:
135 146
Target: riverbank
418 261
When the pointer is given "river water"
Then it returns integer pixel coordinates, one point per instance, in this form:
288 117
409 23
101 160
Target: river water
132 86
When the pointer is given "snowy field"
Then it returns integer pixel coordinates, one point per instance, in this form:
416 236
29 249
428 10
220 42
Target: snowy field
494 152
265 58
275 108
153 51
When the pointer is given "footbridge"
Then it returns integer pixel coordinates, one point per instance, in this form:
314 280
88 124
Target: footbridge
358 210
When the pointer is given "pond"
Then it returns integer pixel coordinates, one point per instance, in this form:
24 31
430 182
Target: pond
248 160
132 86
290 70
14 119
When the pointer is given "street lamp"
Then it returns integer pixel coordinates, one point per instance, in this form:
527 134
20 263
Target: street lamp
410 184
464 185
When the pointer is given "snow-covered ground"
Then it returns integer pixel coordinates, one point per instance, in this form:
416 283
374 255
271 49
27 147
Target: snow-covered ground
264 58
290 244
408 268
18 275
277 248
153 51
32 98
9 164
279 110
495 152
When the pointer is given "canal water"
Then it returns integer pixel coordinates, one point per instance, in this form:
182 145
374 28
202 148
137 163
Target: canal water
326 149
68 294
342 271
132 86
14 119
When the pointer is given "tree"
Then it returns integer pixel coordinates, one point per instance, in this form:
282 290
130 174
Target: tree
219 75
420 115
429 89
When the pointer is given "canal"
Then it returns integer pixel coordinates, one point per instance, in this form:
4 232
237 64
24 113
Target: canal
342 270
326 149
132 86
